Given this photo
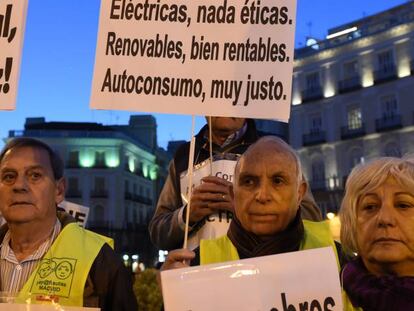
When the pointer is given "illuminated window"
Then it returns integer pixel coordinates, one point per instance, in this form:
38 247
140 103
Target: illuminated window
354 118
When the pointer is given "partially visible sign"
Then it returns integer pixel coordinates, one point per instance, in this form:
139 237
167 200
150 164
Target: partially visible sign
79 212
217 224
12 25
220 58
297 281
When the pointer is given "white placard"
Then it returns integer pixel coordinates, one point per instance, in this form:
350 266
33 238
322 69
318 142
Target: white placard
24 307
79 212
305 280
217 57
12 25
217 224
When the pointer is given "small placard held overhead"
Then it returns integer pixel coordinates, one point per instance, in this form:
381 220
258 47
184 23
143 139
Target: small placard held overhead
219 58
12 25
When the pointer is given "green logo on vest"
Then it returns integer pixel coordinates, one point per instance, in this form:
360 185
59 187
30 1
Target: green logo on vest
54 276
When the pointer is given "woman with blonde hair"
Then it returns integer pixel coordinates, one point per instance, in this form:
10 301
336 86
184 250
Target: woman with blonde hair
377 229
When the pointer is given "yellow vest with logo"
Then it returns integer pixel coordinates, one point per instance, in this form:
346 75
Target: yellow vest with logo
62 273
317 234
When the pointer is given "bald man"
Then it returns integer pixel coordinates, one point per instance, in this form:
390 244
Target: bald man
267 194
212 205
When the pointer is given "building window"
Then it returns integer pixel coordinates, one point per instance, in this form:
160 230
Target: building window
126 185
312 81
385 61
73 160
99 183
350 69
354 118
389 106
315 123
100 159
355 158
73 188
99 190
99 213
318 174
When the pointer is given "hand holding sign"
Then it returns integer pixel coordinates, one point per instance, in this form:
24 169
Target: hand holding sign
212 195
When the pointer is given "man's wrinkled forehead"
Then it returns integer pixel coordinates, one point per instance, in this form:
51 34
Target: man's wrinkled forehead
267 153
34 157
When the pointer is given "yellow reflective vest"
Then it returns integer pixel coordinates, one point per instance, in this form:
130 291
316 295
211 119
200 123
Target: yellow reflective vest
62 273
317 234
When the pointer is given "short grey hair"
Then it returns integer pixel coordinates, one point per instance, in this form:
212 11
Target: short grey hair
363 179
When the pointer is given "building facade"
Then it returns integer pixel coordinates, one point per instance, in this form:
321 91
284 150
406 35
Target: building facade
117 171
352 99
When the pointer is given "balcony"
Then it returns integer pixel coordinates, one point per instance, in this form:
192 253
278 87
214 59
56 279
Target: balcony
73 193
387 123
311 94
349 84
348 133
385 74
314 138
99 193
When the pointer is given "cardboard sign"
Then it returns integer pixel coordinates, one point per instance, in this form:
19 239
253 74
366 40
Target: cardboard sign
220 58
217 224
79 212
297 281
12 25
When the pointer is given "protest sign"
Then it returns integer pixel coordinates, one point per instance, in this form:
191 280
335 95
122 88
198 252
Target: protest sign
219 58
79 212
216 224
12 25
297 281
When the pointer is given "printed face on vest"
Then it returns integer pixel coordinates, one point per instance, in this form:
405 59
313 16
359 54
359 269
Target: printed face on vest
28 190
266 191
385 229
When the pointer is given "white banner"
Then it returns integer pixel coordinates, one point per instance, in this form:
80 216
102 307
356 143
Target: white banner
305 280
79 212
12 25
217 57
217 224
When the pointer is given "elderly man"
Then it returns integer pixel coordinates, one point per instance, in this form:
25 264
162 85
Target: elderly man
267 193
45 256
229 136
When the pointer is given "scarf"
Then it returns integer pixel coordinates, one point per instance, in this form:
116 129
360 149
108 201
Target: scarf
373 293
250 245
